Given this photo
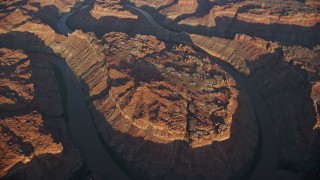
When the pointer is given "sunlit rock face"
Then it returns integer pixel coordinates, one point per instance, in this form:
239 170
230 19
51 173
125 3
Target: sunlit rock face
282 74
271 20
165 110
155 4
180 8
185 96
32 128
157 101
61 5
110 8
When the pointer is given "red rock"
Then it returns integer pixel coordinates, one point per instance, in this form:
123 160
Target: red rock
182 7
166 97
110 8
31 131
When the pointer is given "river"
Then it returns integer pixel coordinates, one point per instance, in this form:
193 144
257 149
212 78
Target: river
81 125
268 159
85 136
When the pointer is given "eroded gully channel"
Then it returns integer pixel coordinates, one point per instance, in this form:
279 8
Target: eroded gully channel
84 134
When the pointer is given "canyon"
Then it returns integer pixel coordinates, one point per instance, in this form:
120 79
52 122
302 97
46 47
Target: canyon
33 131
166 89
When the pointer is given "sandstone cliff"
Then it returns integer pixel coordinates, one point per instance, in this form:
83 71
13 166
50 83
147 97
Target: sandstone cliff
61 5
105 16
180 8
110 8
155 4
285 88
272 20
34 136
150 99
308 60
87 61
156 100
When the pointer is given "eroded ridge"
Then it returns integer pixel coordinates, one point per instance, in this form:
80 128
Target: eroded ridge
171 91
32 128
154 101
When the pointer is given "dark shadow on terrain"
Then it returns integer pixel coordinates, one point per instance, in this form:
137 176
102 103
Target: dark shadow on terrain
141 149
26 41
49 15
286 89
4 7
295 85
84 21
160 8
228 27
15 140
123 145
38 166
203 8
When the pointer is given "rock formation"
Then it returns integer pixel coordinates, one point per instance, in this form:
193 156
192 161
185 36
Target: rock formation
61 5
78 50
164 109
155 4
105 16
272 20
279 83
34 139
110 8
164 98
308 60
182 7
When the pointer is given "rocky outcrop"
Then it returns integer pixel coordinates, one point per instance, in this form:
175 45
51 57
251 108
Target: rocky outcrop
167 110
180 8
262 13
211 19
105 17
152 98
239 51
285 88
12 19
312 3
21 28
308 60
272 20
152 3
110 8
32 37
34 136
201 107
315 95
47 12
85 58
61 5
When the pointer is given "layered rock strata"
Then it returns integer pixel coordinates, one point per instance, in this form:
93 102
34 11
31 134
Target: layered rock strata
155 4
279 83
61 5
272 20
180 8
153 102
34 139
105 16
308 60
110 8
